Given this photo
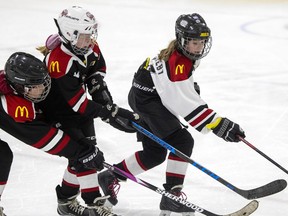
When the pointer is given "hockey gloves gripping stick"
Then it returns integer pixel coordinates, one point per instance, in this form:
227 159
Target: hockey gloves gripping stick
226 129
91 159
118 117
98 89
262 191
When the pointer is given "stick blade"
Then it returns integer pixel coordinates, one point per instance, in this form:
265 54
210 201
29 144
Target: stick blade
246 210
268 189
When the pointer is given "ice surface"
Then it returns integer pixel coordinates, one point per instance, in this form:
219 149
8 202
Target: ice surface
245 78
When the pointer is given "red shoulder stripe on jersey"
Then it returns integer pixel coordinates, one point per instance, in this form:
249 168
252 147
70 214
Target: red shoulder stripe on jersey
96 48
97 54
4 86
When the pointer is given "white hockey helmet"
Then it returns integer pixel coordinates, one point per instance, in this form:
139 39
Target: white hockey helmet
74 21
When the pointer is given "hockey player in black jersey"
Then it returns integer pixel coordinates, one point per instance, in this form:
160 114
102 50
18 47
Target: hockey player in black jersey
6 158
162 90
76 64
21 117
6 155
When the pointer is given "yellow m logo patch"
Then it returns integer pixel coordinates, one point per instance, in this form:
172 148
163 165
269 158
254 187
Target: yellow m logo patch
20 111
54 67
179 69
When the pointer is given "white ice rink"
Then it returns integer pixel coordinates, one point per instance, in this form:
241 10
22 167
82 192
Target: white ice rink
244 77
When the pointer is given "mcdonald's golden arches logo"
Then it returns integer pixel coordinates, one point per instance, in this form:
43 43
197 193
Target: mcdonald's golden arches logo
22 110
180 69
54 67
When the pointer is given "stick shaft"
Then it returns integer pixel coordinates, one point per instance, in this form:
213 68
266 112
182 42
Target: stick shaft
264 155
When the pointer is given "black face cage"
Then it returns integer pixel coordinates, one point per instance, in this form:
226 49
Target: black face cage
80 51
46 86
183 41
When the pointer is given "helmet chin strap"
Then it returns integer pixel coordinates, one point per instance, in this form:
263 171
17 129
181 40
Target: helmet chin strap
59 32
68 43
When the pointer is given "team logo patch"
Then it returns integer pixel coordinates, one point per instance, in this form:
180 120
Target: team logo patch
21 111
18 108
54 67
179 69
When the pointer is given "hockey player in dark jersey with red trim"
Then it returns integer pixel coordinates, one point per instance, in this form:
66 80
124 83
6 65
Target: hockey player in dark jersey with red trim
75 63
6 158
162 90
6 155
21 117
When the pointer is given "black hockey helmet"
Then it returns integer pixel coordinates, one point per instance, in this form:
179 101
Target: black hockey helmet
24 72
192 27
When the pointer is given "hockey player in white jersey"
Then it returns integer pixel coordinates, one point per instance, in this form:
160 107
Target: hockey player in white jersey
162 90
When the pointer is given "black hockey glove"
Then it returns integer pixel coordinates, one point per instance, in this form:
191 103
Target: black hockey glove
197 87
98 89
92 159
118 117
228 130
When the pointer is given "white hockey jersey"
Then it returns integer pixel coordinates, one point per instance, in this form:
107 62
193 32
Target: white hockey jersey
174 83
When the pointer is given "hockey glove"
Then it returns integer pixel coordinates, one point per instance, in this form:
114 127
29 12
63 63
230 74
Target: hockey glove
118 117
92 159
98 89
197 87
226 129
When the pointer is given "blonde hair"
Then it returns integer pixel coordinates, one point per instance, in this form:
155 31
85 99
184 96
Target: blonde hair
166 53
43 49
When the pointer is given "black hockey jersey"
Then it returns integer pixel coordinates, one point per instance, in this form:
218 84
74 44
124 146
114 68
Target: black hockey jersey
19 118
67 102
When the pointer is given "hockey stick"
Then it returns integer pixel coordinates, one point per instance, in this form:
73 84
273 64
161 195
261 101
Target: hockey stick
245 211
264 155
265 190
